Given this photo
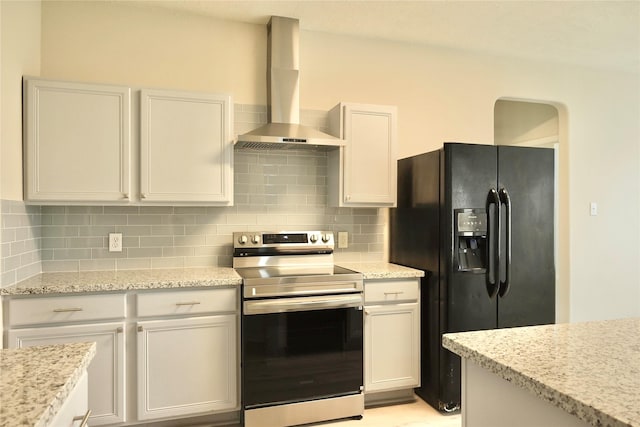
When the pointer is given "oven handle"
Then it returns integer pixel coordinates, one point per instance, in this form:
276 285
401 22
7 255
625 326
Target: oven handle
283 305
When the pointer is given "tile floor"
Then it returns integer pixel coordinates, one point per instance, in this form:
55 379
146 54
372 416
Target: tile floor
415 414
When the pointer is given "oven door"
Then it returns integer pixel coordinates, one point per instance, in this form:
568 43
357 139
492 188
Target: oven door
297 349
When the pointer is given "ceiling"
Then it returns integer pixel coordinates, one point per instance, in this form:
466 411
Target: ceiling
602 34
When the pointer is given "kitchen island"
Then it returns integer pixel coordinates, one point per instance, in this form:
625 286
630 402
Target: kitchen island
562 375
38 385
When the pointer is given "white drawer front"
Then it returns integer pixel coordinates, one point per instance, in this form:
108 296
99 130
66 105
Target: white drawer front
61 309
163 303
391 290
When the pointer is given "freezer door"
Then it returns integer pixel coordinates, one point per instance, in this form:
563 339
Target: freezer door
526 180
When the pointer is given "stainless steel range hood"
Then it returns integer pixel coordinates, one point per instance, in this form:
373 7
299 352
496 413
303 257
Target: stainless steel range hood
283 129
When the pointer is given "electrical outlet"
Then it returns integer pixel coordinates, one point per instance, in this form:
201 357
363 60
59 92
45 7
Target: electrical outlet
593 208
343 239
115 242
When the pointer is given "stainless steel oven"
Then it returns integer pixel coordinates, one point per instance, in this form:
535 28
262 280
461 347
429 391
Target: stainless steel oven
302 322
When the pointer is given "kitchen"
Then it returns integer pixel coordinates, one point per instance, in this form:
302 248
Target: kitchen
461 88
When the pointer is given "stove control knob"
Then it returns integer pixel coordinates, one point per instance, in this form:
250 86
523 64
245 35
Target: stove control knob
243 239
255 239
325 238
313 238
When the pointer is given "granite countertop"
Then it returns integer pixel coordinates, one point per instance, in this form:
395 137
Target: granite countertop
109 281
382 270
36 381
590 369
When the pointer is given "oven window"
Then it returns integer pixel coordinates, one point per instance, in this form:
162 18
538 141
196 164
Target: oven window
296 356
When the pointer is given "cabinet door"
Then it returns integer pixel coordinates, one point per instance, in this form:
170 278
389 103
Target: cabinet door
186 152
369 162
186 366
77 142
391 347
106 371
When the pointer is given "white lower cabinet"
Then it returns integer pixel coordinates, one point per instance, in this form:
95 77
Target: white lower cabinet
186 366
391 335
187 352
106 371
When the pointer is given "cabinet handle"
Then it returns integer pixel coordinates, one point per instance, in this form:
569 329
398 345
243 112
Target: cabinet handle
143 196
125 196
367 312
188 303
84 418
66 310
119 329
140 328
394 293
348 198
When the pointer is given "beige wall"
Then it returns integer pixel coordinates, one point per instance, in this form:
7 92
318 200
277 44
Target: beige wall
20 56
442 95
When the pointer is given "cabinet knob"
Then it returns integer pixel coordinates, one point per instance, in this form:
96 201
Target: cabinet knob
140 329
347 198
125 196
143 196
120 329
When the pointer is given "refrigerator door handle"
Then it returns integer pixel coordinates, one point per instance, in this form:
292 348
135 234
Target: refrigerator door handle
506 201
493 252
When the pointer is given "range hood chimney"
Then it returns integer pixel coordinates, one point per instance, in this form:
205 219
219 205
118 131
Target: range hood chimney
283 129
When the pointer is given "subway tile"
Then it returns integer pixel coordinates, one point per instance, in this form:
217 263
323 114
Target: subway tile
78 219
71 254
60 266
174 262
156 241
110 219
134 230
100 253
200 261
133 264
156 210
167 230
121 210
85 242
92 231
70 210
144 252
181 251
189 240
145 219
97 264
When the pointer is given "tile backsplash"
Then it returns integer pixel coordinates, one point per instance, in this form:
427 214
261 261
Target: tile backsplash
274 190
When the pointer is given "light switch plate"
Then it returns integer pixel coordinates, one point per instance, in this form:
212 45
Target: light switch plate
343 239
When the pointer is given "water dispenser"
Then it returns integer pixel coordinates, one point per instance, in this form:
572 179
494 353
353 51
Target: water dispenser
471 240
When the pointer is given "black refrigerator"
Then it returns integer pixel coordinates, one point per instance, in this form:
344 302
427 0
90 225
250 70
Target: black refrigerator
479 220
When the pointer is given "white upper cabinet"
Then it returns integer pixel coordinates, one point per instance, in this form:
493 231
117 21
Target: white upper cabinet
79 149
76 141
363 173
186 148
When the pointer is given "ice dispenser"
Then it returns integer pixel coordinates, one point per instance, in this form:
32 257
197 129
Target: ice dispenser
471 239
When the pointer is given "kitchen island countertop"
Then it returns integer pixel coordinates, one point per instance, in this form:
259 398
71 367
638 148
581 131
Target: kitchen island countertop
590 370
36 381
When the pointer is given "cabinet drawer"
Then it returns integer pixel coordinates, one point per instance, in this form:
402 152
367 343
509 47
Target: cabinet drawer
186 302
391 291
60 309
